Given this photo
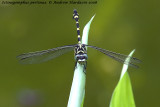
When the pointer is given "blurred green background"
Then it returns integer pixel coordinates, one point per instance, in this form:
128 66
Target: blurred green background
119 25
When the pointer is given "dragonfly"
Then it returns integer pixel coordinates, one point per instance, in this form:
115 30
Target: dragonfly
80 52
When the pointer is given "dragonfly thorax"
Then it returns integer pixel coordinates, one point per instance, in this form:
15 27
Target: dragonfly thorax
80 53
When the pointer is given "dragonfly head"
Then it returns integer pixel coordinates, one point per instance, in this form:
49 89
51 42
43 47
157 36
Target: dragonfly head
81 58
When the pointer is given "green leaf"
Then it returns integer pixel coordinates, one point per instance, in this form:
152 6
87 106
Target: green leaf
123 95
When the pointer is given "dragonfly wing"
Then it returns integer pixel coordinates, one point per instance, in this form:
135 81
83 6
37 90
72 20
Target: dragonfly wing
118 57
45 55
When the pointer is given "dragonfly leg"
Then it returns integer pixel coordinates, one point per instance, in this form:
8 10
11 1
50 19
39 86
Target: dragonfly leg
75 66
85 67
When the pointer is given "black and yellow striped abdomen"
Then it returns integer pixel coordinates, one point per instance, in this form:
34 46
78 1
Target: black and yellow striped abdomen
76 17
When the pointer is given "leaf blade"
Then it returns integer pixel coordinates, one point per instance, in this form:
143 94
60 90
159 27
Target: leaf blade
123 94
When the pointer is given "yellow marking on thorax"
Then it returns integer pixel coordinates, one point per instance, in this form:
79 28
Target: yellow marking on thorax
77 22
78 28
80 51
80 45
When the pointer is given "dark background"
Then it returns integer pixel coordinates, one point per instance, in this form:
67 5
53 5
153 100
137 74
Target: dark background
119 25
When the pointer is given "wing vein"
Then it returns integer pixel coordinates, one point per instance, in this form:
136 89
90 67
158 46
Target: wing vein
44 55
117 56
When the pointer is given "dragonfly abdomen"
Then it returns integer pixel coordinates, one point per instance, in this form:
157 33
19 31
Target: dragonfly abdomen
76 17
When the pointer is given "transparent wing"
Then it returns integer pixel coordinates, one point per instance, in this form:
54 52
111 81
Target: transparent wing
45 55
118 57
